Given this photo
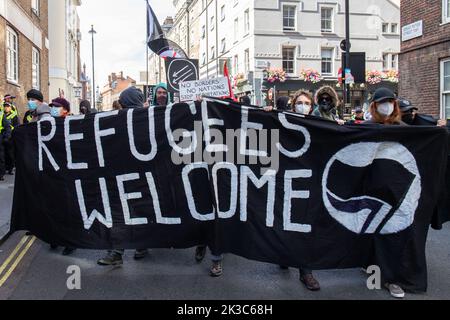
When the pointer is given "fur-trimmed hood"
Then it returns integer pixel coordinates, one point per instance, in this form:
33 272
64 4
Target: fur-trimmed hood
331 92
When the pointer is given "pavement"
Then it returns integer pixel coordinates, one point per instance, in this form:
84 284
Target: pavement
29 269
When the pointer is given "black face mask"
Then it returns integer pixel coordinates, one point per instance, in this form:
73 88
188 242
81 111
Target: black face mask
326 104
408 118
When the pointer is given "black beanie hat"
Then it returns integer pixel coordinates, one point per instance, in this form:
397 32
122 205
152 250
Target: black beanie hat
35 94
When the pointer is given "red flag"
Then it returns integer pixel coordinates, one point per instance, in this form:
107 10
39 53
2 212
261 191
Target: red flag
226 73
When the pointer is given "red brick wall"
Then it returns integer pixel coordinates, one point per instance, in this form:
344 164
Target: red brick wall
25 57
421 57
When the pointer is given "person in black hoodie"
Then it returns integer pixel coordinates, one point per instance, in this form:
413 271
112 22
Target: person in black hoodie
131 98
5 135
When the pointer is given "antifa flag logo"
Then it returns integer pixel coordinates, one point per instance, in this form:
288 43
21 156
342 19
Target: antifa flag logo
371 213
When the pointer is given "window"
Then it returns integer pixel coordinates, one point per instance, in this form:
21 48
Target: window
327 61
35 62
288 60
247 61
394 28
246 22
12 60
222 13
203 32
289 17
213 52
385 61
445 85
35 4
445 11
327 19
394 62
212 23
385 27
236 64
236 29
223 45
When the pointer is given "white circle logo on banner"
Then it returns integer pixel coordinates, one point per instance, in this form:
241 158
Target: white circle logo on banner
365 214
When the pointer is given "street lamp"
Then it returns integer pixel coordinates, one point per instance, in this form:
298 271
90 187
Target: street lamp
92 32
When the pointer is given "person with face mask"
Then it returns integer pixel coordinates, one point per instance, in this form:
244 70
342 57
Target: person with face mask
60 108
303 103
385 108
327 100
36 107
161 97
411 117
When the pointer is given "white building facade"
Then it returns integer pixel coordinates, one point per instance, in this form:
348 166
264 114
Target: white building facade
64 60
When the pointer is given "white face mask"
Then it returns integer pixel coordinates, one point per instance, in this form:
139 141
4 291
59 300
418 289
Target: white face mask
303 109
386 109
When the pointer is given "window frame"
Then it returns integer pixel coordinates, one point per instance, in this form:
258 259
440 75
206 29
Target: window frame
394 61
443 92
396 28
323 30
236 30
247 61
247 22
222 13
35 7
36 53
445 11
288 28
285 68
11 32
385 24
330 74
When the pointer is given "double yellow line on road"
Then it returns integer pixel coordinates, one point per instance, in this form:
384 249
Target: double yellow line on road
15 257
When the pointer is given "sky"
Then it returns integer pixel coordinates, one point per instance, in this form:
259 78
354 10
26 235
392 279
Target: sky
120 40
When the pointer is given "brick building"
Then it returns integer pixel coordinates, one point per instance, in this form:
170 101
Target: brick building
425 55
111 91
24 48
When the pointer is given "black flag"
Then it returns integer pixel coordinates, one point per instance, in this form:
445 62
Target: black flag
157 42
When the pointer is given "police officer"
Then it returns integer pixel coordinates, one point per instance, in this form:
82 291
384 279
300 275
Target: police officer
13 119
5 135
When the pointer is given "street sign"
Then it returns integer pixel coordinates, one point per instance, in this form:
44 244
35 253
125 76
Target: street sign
413 30
344 46
180 70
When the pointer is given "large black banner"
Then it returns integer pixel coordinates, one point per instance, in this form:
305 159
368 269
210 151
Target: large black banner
273 187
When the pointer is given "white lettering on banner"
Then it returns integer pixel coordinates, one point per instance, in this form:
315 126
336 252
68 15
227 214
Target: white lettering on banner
303 130
244 135
154 192
73 137
188 134
125 197
269 179
191 90
233 186
154 146
189 195
88 221
99 134
290 194
207 124
42 146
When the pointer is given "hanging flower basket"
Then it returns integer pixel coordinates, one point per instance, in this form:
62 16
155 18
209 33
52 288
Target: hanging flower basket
239 80
391 76
310 75
276 75
374 77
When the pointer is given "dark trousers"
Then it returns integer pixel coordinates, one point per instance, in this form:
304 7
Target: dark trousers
9 155
2 157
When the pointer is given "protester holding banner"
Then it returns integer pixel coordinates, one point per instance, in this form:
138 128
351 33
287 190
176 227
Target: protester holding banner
60 108
131 98
411 117
385 108
327 100
161 98
302 103
38 109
